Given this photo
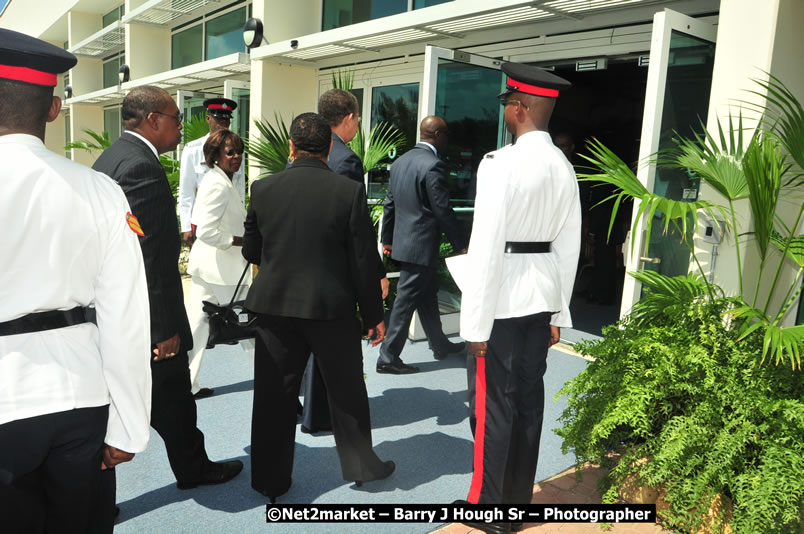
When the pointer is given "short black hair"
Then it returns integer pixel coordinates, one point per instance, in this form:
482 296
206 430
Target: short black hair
311 134
217 141
140 102
24 106
336 104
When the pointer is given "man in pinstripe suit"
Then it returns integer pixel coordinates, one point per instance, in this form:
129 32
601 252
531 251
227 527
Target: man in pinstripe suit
152 124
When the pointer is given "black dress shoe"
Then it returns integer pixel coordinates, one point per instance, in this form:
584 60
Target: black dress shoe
215 473
451 348
308 430
396 368
203 393
388 468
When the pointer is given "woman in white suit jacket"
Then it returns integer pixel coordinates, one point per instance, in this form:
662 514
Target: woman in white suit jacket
216 262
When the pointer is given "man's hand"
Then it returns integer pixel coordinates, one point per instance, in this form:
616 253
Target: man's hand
385 284
188 237
167 349
375 340
477 348
113 456
555 335
386 249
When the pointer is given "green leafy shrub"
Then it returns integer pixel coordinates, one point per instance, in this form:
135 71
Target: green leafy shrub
681 390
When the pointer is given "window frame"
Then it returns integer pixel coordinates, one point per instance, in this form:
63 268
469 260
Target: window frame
202 20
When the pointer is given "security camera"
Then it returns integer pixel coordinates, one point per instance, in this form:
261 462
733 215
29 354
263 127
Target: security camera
294 44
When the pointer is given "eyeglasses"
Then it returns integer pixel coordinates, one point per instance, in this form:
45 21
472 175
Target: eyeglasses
178 116
507 101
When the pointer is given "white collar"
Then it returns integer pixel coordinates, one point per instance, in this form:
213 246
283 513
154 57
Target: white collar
144 140
435 151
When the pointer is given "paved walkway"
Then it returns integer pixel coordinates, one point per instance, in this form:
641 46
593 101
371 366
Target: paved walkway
564 488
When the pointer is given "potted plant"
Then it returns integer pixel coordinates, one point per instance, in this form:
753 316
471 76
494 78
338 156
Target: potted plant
701 392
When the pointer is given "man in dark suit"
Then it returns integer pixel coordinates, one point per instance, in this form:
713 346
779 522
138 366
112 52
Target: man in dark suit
340 109
316 264
416 211
152 123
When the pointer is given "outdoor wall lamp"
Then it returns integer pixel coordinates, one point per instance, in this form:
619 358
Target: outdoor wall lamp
252 33
68 91
124 74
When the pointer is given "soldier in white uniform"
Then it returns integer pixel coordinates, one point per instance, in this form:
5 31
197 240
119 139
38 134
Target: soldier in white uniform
193 167
75 389
516 281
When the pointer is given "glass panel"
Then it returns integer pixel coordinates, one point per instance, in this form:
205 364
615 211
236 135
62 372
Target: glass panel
67 137
418 4
111 73
225 34
466 99
112 16
187 47
194 105
111 122
240 124
686 102
398 105
339 13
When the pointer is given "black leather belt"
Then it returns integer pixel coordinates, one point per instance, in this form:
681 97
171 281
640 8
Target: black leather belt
527 247
49 320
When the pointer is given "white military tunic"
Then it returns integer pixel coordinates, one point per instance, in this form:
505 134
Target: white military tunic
193 168
525 192
66 243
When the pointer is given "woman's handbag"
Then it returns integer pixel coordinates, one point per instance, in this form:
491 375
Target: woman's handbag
231 323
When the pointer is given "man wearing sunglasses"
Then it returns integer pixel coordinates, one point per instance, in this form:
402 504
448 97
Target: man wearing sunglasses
516 282
193 168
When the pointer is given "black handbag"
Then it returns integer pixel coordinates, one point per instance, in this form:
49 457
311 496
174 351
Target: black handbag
231 323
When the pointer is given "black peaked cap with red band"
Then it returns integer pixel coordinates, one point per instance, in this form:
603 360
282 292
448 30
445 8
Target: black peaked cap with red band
532 81
220 107
30 60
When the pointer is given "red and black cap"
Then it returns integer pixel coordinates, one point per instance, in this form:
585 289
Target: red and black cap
220 107
532 81
30 60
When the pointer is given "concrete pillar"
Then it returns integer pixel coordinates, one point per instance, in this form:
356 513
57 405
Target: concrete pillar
85 116
147 47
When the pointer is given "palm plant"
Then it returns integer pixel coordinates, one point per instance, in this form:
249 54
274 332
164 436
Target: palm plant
763 173
194 128
98 142
271 150
383 140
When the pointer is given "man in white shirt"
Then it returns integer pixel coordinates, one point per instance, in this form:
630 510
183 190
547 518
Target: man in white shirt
516 281
193 168
75 389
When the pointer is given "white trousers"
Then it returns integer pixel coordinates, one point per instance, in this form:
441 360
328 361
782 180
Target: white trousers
199 321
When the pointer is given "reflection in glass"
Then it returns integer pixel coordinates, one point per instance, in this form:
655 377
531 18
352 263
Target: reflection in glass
399 106
418 4
193 105
339 13
111 122
686 102
225 34
240 115
187 47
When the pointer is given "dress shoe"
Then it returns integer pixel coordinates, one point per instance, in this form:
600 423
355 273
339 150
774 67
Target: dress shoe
203 393
389 468
396 368
308 430
451 348
214 473
503 527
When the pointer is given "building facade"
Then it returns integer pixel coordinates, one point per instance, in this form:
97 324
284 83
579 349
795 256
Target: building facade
640 69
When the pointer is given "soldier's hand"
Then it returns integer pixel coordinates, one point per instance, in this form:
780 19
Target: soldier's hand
555 335
189 238
376 334
113 456
477 348
385 284
386 249
167 348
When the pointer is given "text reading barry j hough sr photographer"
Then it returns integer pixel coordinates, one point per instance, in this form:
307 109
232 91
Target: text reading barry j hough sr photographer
456 513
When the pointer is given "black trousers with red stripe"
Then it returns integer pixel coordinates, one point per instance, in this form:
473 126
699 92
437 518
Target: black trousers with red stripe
506 399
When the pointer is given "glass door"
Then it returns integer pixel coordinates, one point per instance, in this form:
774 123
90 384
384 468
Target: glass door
462 88
240 92
676 102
